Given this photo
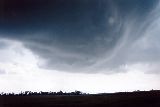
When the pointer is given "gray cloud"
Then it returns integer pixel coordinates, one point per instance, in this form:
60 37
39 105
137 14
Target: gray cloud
3 44
84 35
2 71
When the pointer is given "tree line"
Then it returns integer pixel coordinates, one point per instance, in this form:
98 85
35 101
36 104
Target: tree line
27 93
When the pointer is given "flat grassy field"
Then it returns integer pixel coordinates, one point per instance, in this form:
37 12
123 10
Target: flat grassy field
134 99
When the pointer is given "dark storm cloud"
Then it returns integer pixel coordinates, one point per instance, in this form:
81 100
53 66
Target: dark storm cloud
75 35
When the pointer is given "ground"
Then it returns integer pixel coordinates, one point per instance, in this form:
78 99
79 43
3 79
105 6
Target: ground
134 99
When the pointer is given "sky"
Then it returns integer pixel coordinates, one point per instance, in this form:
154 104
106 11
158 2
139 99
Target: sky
94 46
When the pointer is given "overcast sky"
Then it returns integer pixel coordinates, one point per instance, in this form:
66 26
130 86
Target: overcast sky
88 45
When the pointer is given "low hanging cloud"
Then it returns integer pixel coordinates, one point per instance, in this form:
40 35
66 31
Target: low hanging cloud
85 36
2 71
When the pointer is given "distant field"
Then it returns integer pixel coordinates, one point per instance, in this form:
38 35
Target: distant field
136 99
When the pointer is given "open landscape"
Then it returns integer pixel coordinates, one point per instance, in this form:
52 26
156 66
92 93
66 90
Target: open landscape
121 99
108 50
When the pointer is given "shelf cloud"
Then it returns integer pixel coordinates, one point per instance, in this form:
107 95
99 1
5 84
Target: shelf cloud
86 36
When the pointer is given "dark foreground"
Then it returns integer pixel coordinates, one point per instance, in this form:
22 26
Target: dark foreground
136 99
